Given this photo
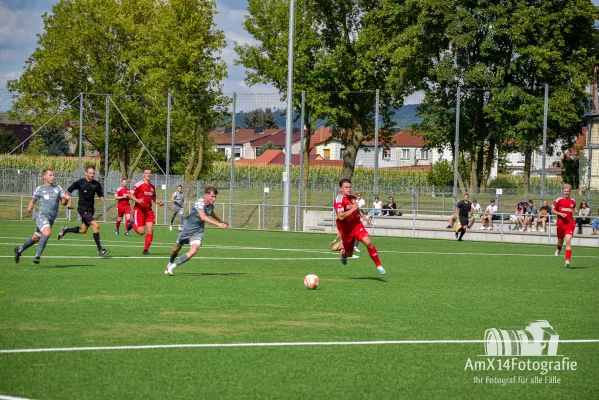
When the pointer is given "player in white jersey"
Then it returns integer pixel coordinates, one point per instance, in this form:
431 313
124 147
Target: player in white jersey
193 230
49 196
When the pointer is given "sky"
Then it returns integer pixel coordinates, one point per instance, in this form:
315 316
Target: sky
21 21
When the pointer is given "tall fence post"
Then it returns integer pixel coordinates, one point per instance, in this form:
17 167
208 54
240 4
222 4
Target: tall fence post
545 113
168 154
456 146
80 165
232 178
375 181
106 135
301 158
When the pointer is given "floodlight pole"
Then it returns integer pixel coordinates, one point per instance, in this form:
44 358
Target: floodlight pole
106 134
375 181
168 153
456 147
80 167
301 161
287 172
232 177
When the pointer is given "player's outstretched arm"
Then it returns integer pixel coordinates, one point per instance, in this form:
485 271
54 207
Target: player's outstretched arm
213 220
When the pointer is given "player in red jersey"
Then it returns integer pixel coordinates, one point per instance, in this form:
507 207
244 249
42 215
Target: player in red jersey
143 193
123 207
564 207
350 227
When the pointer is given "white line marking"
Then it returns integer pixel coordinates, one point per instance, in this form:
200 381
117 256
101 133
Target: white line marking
195 257
275 344
5 397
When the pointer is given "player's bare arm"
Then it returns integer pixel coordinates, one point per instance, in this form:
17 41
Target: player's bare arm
135 199
30 206
65 199
211 220
344 214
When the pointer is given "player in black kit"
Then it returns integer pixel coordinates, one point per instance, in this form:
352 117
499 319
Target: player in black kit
88 187
462 209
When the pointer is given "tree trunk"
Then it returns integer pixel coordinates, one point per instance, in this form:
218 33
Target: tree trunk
351 152
473 170
136 162
527 163
489 159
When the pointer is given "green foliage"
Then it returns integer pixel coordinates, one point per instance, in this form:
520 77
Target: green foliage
441 174
268 146
259 118
571 171
37 161
138 51
8 141
516 183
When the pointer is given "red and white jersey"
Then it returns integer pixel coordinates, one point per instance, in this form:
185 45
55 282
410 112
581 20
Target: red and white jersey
145 192
123 191
342 204
566 206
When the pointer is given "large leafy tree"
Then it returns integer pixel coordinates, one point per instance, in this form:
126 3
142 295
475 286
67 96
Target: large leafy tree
333 63
258 118
135 50
501 53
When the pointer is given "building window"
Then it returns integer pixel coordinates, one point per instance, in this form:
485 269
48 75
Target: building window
405 154
386 155
327 154
423 154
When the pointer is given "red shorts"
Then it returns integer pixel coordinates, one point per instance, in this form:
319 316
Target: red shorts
348 238
142 217
123 209
564 229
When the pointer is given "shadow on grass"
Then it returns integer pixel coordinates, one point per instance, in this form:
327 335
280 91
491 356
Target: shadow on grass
65 266
571 267
372 278
210 273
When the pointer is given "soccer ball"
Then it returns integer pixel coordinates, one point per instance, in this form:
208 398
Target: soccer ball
311 281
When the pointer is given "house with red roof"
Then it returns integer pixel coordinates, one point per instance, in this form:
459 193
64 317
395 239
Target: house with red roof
21 131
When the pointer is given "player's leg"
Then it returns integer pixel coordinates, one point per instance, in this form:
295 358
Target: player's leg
75 229
362 235
561 234
568 240
181 215
462 232
138 222
174 253
119 218
450 222
127 222
46 231
150 235
27 244
348 248
96 228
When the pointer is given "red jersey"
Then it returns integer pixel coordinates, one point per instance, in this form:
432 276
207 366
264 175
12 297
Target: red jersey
342 204
123 192
566 206
145 192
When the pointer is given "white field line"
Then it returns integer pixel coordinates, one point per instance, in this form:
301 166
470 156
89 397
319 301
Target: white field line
5 397
195 257
275 344
165 245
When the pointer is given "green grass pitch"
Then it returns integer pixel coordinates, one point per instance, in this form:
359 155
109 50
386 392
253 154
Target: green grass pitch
246 287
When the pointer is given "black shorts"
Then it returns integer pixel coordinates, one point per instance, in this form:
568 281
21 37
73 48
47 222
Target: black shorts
87 216
464 220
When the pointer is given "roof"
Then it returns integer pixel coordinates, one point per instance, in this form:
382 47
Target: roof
20 131
277 157
277 139
402 139
242 136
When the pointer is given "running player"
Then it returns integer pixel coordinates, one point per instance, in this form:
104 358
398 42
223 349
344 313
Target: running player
178 200
88 187
564 207
462 210
143 193
193 230
123 207
49 195
350 227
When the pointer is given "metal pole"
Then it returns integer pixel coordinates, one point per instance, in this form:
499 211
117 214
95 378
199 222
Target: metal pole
232 178
545 112
287 173
80 168
301 157
456 146
589 158
375 181
168 154
106 134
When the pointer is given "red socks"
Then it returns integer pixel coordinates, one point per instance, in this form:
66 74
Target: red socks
149 238
374 255
118 223
568 255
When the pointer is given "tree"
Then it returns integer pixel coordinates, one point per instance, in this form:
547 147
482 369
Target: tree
501 54
136 50
268 146
257 118
334 63
8 141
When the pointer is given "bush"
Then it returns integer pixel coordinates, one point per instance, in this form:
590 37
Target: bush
441 174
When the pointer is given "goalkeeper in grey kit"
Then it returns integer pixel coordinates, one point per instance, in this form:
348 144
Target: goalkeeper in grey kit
193 230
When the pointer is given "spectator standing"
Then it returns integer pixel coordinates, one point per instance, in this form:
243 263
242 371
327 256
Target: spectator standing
584 216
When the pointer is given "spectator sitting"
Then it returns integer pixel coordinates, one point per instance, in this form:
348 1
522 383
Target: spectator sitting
489 215
518 219
530 214
596 224
524 205
476 212
389 208
584 214
360 201
543 217
377 206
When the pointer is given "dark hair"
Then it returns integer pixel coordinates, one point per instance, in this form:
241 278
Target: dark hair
530 201
342 181
179 186
147 169
46 170
492 200
210 189
90 166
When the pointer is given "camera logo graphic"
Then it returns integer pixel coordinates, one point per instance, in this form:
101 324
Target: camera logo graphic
537 339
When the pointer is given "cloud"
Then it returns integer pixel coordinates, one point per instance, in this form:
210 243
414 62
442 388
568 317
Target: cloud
19 28
7 76
240 37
